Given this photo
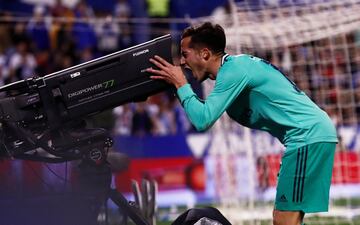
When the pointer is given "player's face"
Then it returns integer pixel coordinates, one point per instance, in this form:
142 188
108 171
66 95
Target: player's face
191 58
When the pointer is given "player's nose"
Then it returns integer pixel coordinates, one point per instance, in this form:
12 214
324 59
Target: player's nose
182 61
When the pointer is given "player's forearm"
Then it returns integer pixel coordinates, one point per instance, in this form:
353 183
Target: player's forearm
179 81
199 112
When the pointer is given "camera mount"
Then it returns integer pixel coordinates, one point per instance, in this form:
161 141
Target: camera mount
43 118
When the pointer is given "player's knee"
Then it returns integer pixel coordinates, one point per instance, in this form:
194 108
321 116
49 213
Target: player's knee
276 218
279 220
286 218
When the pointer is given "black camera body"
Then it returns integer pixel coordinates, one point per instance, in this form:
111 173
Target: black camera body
42 118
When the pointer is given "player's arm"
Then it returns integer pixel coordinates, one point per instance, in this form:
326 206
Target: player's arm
204 113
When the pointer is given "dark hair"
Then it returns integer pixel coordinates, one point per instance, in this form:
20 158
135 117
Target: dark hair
207 35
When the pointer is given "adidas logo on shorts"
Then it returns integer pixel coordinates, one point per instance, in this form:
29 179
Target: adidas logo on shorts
283 198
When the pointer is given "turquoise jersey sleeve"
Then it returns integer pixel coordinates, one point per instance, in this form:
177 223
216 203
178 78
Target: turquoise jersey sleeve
203 113
257 95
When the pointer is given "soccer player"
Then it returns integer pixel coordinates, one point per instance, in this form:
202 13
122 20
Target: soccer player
257 95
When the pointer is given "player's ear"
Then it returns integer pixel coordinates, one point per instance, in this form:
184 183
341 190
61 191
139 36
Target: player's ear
205 54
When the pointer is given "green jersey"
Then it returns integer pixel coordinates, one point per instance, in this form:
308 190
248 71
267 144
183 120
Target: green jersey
257 95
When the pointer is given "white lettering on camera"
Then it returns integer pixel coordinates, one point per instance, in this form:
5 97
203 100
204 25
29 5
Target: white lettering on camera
141 52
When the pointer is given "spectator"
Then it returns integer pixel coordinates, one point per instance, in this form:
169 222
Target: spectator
107 33
83 32
59 9
123 121
141 122
122 14
182 123
60 30
262 169
62 61
158 10
2 69
18 34
22 63
5 35
38 29
86 55
65 43
166 123
122 9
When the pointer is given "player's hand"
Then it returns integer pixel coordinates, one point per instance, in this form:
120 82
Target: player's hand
167 72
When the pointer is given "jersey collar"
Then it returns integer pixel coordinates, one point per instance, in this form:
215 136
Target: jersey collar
223 59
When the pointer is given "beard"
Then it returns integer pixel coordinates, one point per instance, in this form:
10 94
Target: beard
205 77
188 73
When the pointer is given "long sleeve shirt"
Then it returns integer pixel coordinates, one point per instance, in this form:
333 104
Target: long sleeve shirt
257 95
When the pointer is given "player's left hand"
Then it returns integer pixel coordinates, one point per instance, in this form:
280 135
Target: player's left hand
167 72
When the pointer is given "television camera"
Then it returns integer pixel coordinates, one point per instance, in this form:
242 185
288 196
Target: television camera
42 118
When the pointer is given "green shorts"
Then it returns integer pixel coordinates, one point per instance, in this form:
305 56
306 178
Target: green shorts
305 177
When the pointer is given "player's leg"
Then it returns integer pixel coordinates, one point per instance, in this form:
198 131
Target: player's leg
287 217
304 181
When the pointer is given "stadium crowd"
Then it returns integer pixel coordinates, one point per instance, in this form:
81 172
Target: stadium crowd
328 70
41 46
59 37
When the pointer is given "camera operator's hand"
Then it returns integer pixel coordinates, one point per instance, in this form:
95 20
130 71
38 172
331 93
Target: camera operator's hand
167 72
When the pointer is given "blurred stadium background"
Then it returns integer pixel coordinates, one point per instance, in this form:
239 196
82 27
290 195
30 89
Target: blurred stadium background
316 42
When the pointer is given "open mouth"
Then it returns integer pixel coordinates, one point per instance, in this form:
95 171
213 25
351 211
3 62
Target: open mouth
185 67
188 73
